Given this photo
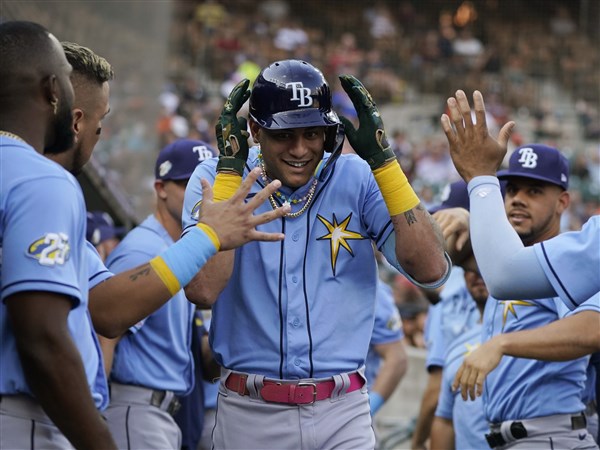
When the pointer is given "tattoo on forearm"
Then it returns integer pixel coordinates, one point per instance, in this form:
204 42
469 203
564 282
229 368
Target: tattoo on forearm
410 217
143 272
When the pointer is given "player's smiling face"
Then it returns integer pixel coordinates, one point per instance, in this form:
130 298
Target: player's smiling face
534 208
291 155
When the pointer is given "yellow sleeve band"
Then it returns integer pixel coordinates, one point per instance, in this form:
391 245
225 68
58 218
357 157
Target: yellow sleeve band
397 192
210 232
226 183
165 274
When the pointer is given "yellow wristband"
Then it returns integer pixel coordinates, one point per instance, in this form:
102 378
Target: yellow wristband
165 274
397 192
225 186
210 232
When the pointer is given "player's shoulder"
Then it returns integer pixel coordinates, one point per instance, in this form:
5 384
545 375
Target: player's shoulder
351 161
149 237
24 162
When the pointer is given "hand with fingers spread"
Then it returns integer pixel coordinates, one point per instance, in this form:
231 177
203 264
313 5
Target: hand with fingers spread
473 151
233 220
476 367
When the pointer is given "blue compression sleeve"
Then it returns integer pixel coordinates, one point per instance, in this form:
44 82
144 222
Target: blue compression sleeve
510 269
186 256
376 401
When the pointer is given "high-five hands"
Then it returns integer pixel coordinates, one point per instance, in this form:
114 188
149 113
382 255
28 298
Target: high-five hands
233 220
473 151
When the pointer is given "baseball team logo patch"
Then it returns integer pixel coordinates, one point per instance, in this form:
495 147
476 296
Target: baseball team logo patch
300 93
338 236
51 249
196 210
528 158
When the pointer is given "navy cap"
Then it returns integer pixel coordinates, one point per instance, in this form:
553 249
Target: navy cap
100 227
539 162
178 160
454 195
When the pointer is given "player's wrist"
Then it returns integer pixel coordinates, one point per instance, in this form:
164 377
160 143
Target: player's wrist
230 165
397 192
226 184
177 265
380 157
376 401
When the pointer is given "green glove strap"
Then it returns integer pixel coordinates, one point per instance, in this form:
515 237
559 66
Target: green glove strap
231 132
369 140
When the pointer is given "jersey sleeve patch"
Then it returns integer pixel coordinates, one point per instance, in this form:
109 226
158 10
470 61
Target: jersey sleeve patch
51 249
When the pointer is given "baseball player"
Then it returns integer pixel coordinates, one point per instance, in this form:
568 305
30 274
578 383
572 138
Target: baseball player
453 315
102 232
52 381
565 266
457 423
291 323
153 364
49 383
386 361
532 403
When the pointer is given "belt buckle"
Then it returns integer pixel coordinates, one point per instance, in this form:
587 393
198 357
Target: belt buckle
495 439
173 406
314 393
157 398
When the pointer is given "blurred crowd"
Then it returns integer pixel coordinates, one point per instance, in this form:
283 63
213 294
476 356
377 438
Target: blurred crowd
539 67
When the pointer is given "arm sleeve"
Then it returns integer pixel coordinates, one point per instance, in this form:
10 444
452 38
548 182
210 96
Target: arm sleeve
510 269
571 262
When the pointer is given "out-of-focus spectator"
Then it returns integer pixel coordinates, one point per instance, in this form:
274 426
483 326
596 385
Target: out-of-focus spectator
102 233
210 15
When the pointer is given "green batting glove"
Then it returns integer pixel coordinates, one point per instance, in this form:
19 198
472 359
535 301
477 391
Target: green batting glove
369 140
232 134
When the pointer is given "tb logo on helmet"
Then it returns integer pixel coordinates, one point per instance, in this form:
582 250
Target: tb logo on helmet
528 158
300 93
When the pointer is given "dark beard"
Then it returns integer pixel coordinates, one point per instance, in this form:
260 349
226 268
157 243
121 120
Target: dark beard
63 131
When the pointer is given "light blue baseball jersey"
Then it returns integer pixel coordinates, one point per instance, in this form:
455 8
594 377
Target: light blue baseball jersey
43 220
561 259
387 329
548 388
156 352
454 314
303 307
468 419
97 271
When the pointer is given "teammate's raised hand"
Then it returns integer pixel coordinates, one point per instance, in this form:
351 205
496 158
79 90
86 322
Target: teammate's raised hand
369 140
473 151
231 131
233 220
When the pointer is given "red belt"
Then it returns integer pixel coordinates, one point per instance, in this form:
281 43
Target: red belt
300 393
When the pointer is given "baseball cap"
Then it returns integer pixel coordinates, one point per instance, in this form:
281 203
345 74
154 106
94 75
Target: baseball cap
539 162
100 227
178 160
454 195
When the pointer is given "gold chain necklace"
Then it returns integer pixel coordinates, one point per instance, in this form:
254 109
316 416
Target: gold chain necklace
11 135
307 198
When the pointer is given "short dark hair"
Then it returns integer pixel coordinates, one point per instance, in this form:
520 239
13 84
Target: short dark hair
22 44
87 64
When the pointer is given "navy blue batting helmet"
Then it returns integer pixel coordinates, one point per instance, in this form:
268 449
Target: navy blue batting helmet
294 94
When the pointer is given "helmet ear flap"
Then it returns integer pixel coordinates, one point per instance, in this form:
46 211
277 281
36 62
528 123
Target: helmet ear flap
334 142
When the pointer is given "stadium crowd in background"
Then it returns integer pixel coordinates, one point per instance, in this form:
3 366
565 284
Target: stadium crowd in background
531 69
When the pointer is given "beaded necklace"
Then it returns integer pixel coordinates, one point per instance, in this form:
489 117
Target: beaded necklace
307 199
11 135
